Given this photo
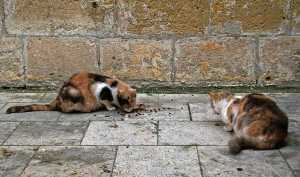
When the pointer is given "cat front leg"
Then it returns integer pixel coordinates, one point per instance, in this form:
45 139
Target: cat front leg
228 127
108 105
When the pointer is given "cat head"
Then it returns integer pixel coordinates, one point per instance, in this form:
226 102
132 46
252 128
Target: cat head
126 95
127 99
218 99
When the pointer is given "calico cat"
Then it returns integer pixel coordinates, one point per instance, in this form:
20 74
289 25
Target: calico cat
255 119
87 92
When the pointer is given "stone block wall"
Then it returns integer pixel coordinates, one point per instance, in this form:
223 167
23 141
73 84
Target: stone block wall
151 43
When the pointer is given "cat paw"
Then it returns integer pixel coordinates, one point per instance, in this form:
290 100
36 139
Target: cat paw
111 108
227 129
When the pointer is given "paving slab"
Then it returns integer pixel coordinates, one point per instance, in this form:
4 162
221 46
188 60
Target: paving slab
216 161
183 98
294 118
30 116
289 103
292 156
48 97
285 97
2 105
121 133
291 109
291 152
20 97
14 159
296 173
203 112
6 128
158 161
147 98
71 162
192 133
94 116
48 133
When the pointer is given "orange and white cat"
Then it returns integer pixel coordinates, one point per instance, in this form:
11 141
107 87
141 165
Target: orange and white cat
87 92
255 119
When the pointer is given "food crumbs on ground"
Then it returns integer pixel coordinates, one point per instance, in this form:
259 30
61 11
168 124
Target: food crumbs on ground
239 169
217 124
6 152
114 125
139 109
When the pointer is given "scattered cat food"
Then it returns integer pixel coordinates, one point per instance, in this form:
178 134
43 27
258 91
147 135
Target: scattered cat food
239 169
6 152
140 107
114 125
140 110
74 173
105 170
218 124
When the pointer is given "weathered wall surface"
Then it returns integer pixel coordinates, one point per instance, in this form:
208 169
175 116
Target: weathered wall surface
173 43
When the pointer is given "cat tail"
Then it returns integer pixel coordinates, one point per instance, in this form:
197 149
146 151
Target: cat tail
237 144
31 108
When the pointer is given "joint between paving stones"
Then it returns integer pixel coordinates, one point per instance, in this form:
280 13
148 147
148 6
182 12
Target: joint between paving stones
290 168
11 133
85 131
199 161
114 162
31 158
157 133
190 113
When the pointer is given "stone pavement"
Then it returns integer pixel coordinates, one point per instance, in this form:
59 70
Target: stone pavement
178 137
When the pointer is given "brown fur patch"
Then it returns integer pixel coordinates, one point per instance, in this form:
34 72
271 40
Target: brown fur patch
76 95
259 124
265 123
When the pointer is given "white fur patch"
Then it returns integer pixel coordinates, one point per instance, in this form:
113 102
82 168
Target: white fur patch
224 104
225 110
98 87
